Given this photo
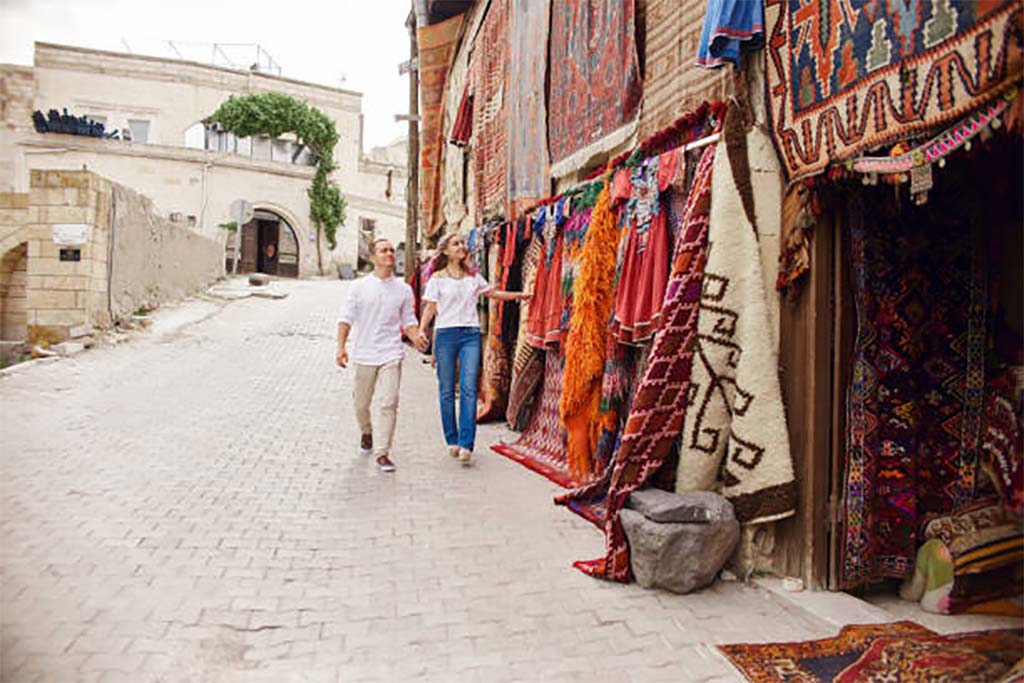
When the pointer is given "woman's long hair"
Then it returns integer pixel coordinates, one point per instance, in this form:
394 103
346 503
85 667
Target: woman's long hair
440 260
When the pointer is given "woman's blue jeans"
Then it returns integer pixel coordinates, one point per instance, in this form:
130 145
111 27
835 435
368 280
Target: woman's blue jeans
458 346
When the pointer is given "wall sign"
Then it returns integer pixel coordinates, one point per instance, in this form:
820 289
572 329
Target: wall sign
70 254
70 233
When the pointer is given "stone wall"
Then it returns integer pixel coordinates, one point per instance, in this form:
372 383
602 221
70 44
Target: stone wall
155 260
149 260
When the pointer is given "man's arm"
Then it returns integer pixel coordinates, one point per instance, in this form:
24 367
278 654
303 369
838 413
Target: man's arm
343 330
411 327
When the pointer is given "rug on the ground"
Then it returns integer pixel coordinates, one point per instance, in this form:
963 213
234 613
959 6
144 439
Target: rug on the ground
542 445
842 81
735 440
595 85
436 45
900 652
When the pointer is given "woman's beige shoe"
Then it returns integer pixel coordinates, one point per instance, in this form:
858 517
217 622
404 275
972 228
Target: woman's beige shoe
465 457
453 451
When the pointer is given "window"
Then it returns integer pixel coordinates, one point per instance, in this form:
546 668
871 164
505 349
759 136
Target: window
139 129
244 147
195 136
282 151
261 147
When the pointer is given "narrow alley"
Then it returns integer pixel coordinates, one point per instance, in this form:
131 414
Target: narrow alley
191 506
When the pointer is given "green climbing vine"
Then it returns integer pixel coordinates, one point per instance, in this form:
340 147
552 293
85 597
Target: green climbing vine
274 114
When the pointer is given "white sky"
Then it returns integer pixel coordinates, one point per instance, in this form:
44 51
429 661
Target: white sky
321 41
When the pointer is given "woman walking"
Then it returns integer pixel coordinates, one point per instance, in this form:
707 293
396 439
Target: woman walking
451 297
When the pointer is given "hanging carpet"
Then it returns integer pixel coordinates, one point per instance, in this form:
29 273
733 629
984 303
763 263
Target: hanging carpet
528 176
916 396
894 653
735 440
847 77
595 85
436 45
489 65
527 361
656 416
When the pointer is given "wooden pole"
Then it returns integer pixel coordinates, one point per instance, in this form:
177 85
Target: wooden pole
412 195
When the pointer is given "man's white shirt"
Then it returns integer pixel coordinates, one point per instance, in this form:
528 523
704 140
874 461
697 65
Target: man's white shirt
377 310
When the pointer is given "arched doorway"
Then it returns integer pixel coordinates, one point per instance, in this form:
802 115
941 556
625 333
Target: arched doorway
269 245
13 300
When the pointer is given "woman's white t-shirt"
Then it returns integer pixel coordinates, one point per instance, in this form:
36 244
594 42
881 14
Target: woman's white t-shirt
456 299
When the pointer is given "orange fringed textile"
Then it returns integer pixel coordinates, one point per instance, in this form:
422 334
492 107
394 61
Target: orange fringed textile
588 327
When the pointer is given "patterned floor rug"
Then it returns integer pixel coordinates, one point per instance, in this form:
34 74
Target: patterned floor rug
900 652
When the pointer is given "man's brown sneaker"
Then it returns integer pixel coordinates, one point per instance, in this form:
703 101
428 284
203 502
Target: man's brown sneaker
385 464
366 444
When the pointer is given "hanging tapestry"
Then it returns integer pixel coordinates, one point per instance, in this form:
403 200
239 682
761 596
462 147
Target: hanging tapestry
916 397
900 651
490 66
541 447
672 86
455 215
436 45
528 175
595 85
735 440
495 373
847 77
527 361
656 416
730 27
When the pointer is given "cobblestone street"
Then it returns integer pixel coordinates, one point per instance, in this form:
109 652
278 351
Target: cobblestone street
191 506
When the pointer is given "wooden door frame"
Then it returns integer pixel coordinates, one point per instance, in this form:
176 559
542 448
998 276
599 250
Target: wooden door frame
808 371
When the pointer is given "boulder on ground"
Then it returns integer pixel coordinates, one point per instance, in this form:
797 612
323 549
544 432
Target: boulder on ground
259 279
681 556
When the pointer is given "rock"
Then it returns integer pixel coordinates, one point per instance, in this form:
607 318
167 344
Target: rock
68 348
270 293
88 342
259 279
680 557
698 507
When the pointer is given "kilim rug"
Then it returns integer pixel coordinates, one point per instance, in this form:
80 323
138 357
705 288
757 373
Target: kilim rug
656 415
495 368
735 440
528 178
595 85
900 652
454 213
916 395
542 445
489 65
527 361
436 45
844 77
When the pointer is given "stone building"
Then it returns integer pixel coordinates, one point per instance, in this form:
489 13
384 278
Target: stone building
190 170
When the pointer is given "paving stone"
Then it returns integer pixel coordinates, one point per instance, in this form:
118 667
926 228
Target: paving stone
193 506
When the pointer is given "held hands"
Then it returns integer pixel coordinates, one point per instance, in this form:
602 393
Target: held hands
420 341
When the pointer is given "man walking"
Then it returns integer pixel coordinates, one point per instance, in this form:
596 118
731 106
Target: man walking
380 308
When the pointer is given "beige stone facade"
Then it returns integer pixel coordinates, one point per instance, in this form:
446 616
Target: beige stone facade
127 258
193 174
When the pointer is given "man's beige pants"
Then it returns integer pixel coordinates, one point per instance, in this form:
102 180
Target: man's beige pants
382 380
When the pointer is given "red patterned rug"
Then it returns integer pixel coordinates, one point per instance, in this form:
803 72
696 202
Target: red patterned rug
900 652
489 72
542 446
843 77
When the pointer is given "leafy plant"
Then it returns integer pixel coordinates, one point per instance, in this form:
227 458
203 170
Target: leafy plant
231 226
275 114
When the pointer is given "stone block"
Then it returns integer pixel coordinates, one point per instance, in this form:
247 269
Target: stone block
60 318
54 298
14 200
68 348
53 196
67 214
79 331
13 217
681 557
66 282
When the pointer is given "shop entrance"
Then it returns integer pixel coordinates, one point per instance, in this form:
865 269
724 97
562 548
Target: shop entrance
927 330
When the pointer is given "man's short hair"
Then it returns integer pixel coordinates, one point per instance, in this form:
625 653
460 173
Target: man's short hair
374 243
